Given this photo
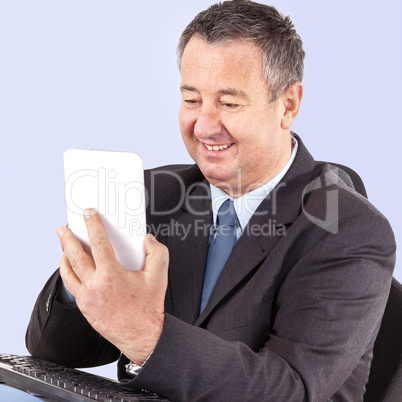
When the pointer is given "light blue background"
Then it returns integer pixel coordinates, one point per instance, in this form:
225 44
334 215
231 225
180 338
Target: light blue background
102 74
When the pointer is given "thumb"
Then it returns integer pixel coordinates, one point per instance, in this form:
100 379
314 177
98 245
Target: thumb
157 256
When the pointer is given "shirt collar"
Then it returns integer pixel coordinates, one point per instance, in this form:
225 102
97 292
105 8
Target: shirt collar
247 204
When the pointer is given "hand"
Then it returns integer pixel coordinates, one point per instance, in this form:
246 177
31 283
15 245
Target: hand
126 308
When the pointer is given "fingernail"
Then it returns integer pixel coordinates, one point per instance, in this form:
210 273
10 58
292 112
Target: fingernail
151 237
60 232
88 213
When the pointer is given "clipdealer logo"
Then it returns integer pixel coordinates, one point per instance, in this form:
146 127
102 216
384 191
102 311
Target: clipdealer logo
129 200
330 222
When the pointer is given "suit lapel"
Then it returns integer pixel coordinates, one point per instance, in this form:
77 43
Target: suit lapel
188 253
267 226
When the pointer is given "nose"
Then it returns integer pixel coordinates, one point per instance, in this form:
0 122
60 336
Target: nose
208 124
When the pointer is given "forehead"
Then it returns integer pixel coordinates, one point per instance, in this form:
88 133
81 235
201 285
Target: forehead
235 63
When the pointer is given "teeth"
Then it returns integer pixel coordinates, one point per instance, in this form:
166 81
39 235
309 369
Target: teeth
217 147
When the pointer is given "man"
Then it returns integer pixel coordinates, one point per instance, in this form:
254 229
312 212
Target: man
294 313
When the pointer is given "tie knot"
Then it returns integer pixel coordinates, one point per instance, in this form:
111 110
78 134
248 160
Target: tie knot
227 214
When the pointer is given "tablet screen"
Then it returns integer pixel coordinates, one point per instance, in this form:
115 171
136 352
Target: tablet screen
111 182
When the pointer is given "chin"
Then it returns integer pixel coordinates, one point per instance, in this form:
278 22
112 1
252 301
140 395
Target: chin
216 172
222 181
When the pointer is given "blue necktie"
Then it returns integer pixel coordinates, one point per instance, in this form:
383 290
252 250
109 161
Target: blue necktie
220 248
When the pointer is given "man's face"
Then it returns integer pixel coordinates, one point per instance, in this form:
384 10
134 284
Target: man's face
228 125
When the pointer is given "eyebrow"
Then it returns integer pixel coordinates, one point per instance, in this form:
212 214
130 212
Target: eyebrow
229 91
233 92
188 88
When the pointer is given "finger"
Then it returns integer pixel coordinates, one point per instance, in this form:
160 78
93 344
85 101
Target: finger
70 279
101 248
80 262
157 256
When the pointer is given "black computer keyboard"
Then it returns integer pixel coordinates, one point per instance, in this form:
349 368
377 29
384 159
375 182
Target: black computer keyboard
57 383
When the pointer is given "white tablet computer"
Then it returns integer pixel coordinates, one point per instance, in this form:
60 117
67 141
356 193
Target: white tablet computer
111 182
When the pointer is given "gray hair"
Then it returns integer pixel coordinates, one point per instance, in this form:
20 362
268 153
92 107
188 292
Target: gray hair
273 33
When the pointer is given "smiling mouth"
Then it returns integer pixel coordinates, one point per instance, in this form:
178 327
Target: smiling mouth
217 147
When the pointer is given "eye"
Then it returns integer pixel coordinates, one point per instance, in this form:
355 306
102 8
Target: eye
230 106
191 102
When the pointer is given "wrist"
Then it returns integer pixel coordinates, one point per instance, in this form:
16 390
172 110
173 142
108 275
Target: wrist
135 367
142 346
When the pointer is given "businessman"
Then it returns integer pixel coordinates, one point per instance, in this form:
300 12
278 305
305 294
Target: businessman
277 291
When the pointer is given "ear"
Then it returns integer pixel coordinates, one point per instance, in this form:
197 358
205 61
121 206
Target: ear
291 102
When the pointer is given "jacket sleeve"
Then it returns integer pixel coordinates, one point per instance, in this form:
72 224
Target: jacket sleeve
61 334
326 316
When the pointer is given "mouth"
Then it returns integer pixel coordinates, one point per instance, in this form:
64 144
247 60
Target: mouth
217 147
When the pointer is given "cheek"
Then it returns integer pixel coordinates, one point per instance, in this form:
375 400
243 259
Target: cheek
241 129
186 123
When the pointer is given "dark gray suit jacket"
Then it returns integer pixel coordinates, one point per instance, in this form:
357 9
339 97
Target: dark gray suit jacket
294 314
